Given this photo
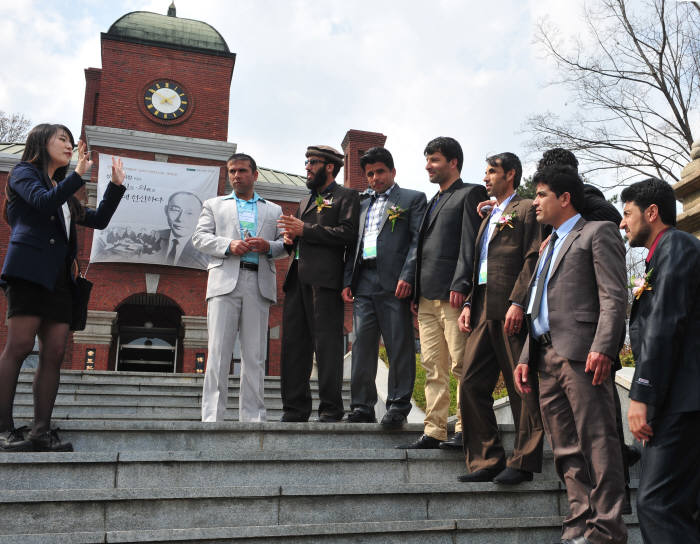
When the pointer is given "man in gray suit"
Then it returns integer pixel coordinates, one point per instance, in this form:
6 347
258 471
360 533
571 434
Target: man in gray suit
239 233
379 282
576 317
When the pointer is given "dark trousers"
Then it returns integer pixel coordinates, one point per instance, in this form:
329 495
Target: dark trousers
668 498
377 313
312 322
490 351
579 419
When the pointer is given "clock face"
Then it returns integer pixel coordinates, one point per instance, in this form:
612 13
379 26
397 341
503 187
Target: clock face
166 100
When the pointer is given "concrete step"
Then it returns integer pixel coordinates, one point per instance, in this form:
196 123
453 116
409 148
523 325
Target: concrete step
146 398
485 530
128 469
111 436
143 378
69 510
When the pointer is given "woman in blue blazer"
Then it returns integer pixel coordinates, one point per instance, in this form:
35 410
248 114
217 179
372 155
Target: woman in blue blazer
38 275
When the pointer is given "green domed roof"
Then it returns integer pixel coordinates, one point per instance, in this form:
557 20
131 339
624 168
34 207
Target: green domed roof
144 26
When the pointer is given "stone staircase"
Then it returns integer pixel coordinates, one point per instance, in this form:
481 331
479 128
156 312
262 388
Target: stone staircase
146 470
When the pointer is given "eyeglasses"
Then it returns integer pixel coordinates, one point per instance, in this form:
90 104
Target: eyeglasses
311 162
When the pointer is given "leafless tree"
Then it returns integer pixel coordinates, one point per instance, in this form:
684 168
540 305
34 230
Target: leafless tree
13 127
634 77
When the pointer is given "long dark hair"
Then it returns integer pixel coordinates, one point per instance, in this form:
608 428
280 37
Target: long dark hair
36 153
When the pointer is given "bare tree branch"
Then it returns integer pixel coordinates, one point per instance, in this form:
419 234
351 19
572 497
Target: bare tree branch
13 128
634 81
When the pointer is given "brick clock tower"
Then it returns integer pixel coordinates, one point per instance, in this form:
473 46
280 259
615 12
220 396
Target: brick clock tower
162 94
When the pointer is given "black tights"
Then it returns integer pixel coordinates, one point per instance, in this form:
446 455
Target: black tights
21 331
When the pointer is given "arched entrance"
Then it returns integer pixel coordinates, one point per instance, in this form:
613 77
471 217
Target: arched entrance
148 334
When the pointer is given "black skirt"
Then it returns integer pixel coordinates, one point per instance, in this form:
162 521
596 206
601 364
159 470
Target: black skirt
29 298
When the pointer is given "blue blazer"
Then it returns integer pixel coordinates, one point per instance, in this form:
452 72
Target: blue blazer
39 244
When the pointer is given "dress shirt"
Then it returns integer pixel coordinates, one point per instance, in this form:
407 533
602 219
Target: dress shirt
66 218
495 216
541 324
247 221
373 221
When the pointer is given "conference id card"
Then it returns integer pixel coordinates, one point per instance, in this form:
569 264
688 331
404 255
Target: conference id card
482 272
369 249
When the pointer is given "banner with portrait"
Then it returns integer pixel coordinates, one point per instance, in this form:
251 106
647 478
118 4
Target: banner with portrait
157 215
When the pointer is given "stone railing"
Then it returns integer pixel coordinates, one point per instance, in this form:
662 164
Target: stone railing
688 192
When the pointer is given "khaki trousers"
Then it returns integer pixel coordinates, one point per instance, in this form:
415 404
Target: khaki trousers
442 350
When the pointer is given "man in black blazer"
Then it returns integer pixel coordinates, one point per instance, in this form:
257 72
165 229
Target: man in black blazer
664 412
321 234
379 282
443 279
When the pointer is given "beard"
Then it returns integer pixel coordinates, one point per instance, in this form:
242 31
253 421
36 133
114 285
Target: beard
642 236
318 181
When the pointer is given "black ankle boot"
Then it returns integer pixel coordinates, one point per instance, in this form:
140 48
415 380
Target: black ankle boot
49 441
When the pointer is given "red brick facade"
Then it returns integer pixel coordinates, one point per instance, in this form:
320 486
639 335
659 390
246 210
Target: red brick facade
355 144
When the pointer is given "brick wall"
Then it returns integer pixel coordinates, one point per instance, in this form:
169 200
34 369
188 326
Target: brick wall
127 69
355 144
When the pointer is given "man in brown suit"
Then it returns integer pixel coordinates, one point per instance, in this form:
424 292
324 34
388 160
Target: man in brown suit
321 233
576 317
506 246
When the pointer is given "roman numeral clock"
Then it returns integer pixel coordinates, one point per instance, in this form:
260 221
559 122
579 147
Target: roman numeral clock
166 100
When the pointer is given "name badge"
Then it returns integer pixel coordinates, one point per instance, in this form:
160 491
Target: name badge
246 216
482 272
369 247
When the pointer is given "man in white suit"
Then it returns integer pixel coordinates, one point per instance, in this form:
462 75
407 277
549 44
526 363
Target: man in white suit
239 233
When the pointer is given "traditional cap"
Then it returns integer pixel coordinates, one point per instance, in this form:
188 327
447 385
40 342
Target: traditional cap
327 152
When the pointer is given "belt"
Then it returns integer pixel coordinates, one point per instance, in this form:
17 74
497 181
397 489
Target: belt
370 263
544 339
249 266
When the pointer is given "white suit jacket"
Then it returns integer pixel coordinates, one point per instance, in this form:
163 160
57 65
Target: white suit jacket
218 224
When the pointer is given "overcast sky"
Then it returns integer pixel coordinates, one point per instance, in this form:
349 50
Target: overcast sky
308 70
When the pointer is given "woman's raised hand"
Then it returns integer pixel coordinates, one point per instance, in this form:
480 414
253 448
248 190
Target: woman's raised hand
118 174
84 162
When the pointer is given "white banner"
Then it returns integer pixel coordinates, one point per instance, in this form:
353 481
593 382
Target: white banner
157 215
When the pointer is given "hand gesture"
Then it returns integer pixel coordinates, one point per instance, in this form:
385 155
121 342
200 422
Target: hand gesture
600 364
403 289
464 319
514 320
118 174
346 293
258 245
520 377
291 226
84 162
484 208
239 247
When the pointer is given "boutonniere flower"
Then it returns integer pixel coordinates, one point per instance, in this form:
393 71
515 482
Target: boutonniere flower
506 220
323 203
640 284
395 213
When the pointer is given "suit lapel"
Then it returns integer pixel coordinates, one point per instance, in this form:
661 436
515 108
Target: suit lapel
233 212
303 205
392 200
445 197
510 208
262 216
571 237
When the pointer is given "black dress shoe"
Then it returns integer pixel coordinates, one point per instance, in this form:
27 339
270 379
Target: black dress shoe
291 418
49 441
13 440
359 416
513 476
329 418
482 475
425 442
393 420
455 442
